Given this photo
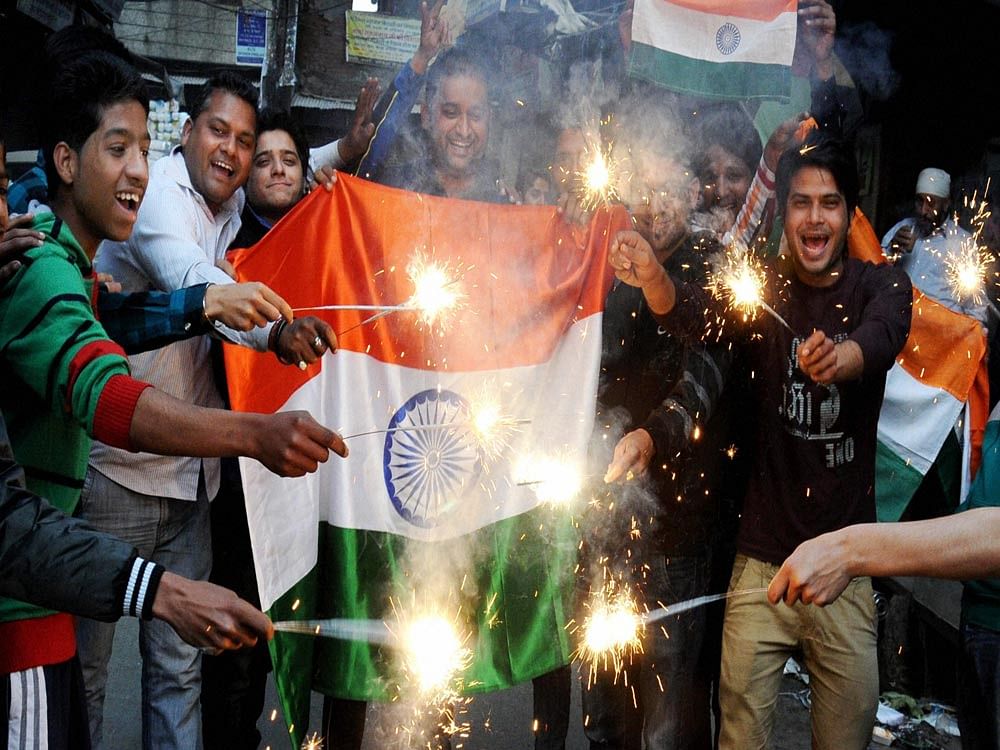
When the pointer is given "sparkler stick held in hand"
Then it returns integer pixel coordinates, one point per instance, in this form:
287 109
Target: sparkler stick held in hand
698 601
738 278
369 631
470 425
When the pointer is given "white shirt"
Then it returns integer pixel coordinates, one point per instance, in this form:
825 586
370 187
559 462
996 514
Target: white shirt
175 243
927 266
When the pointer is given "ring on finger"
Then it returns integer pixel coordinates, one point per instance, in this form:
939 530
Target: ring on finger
318 342
302 364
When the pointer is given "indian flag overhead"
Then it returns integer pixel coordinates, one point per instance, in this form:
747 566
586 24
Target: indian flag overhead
426 514
728 49
939 380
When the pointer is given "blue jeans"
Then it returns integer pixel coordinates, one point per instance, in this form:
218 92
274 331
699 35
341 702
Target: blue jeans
176 534
656 705
979 688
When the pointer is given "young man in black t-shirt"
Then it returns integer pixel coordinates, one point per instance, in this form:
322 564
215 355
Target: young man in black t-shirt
818 387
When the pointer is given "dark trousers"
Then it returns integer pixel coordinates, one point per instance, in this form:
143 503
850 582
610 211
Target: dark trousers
233 683
979 688
663 701
344 720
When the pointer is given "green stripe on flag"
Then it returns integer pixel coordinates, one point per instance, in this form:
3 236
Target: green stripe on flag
726 80
292 657
895 482
522 566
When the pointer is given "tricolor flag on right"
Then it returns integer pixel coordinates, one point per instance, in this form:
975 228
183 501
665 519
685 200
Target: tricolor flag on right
724 49
939 381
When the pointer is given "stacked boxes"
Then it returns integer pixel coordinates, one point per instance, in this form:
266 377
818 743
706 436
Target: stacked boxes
165 124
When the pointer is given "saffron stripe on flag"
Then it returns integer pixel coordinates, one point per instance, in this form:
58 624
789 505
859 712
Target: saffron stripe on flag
760 10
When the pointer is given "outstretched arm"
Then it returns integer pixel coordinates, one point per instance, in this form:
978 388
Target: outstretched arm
287 443
963 546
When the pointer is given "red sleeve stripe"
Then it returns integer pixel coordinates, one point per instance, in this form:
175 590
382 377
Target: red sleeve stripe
87 354
113 418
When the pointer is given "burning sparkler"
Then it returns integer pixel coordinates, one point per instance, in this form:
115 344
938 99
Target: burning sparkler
433 653
611 631
967 269
554 481
435 291
598 180
738 278
492 428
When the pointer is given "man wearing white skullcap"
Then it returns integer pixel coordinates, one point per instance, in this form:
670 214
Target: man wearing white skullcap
922 243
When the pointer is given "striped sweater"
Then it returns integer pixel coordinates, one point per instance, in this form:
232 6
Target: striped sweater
63 382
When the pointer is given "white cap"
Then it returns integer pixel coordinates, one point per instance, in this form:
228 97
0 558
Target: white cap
933 181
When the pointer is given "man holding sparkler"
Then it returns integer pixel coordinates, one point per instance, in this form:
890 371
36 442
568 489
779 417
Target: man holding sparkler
818 380
183 226
662 702
923 244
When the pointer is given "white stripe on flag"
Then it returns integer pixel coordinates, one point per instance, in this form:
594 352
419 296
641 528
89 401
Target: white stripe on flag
356 393
693 34
915 418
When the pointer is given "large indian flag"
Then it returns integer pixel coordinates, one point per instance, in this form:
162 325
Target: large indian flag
423 515
938 382
729 49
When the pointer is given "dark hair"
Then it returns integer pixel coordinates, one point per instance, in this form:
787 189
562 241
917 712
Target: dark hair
276 119
455 62
79 92
733 130
226 81
822 150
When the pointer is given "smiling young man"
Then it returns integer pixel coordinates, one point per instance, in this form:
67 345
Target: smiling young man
65 381
185 224
817 392
277 180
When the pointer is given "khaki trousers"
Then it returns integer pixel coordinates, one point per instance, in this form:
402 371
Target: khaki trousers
838 642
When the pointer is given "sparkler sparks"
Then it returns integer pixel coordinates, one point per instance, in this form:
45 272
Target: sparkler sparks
738 278
435 291
433 653
968 269
491 427
611 631
553 480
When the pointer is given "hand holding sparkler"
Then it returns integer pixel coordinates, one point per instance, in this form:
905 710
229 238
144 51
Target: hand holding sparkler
632 456
302 341
826 362
634 263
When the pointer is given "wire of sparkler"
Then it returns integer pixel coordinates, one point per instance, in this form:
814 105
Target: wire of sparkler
432 427
381 308
366 321
771 311
699 601
371 631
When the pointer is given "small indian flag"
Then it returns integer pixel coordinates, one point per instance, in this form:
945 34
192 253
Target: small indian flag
424 512
727 49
